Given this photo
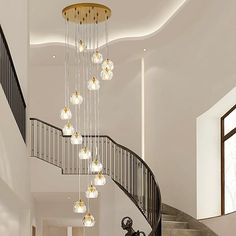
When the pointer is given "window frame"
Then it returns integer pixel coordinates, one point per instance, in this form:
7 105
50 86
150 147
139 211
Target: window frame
224 137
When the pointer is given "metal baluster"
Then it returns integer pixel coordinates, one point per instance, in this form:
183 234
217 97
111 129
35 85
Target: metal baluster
32 137
126 171
51 146
47 143
135 178
60 149
116 163
144 190
56 135
6 90
148 196
102 153
69 157
131 175
119 164
65 155
38 139
122 167
77 148
113 160
108 157
151 201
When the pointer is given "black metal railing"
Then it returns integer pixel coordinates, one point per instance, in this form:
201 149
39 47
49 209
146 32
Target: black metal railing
125 167
11 86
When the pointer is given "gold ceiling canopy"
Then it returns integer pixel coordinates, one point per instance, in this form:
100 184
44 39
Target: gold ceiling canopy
86 13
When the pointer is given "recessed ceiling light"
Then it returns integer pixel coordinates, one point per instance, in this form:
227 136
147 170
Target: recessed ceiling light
53 56
144 49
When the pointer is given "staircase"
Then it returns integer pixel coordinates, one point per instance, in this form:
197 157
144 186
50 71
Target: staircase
177 223
131 174
173 227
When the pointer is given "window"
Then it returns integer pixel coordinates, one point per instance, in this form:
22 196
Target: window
228 161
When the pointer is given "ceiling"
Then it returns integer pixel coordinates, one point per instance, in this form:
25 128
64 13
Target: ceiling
130 19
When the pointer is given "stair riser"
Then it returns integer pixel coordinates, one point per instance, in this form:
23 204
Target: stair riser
174 225
168 218
179 232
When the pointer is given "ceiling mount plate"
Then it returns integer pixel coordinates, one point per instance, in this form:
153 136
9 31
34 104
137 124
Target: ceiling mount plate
86 13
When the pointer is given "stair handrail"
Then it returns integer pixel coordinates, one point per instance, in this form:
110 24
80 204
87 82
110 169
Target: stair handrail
154 223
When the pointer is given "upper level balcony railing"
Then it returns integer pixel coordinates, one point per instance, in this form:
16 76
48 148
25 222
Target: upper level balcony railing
11 86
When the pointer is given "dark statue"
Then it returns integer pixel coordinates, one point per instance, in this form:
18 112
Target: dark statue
127 224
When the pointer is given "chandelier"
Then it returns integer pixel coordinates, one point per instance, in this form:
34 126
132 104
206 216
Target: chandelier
86 31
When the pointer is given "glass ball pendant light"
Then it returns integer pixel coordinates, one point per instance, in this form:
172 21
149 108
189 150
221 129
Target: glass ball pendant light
91 192
88 220
85 153
93 84
76 98
68 129
65 113
76 138
106 74
99 179
79 207
96 166
82 46
108 64
97 58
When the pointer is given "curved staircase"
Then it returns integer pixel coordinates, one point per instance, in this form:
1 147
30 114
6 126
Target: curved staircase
132 175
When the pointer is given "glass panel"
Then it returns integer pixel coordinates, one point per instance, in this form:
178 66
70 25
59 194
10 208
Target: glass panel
230 174
230 122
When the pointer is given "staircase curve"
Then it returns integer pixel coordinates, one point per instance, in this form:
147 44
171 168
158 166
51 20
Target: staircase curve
132 175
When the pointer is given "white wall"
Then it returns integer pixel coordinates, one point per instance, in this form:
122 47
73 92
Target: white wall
13 161
114 206
54 231
14 216
15 198
14 22
209 157
190 68
120 100
223 226
51 189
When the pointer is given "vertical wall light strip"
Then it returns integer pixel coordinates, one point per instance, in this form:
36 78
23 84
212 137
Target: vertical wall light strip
143 107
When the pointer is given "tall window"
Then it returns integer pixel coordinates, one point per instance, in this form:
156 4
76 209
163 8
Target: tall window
228 161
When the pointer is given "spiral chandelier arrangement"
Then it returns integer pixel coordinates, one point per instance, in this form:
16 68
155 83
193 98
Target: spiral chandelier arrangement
86 28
